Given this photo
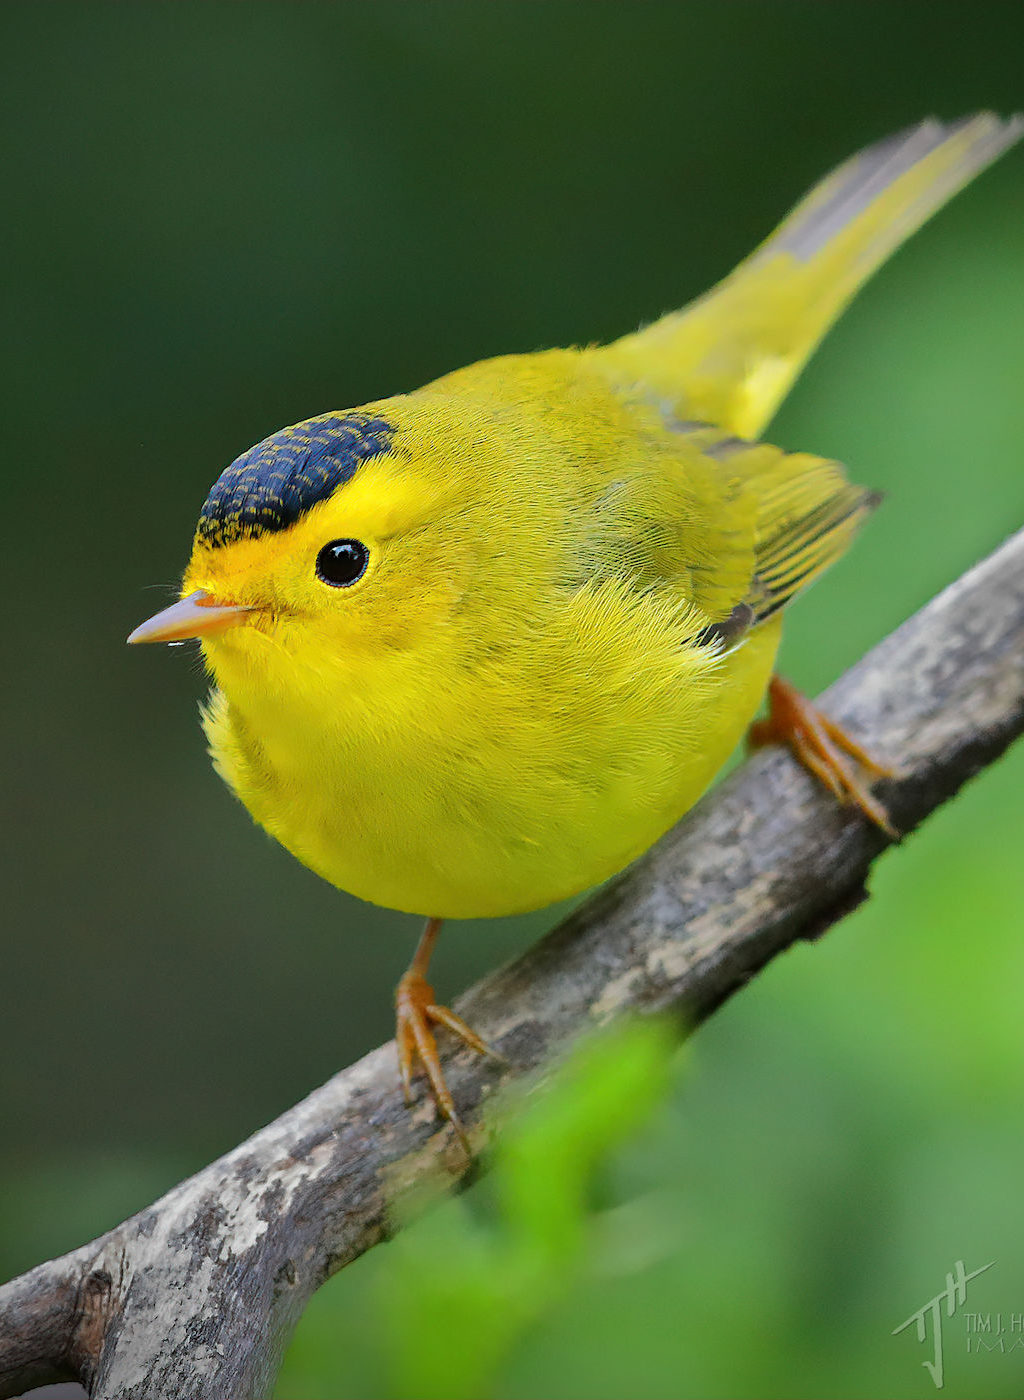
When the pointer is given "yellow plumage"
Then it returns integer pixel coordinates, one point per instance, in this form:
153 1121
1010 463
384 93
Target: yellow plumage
576 571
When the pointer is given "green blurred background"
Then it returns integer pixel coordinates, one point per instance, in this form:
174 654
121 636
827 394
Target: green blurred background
222 218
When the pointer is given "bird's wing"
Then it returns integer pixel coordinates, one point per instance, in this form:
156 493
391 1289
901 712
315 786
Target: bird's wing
804 514
737 528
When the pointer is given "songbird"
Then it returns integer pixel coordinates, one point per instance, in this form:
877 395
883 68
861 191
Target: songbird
476 647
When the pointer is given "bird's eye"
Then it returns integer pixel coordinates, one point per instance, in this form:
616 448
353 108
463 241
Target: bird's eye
342 562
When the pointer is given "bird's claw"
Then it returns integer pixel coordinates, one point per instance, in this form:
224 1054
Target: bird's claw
416 1014
824 748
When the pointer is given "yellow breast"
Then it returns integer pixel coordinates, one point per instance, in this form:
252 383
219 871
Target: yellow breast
496 790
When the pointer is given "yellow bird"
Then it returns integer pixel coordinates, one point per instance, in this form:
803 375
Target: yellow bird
478 646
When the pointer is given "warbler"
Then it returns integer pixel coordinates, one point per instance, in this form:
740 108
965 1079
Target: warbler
475 648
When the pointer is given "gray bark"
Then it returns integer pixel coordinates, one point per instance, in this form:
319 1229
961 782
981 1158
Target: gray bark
197 1295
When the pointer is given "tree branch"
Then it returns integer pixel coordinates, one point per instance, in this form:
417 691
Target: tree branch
196 1296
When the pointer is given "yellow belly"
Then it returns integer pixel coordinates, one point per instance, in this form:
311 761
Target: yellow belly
498 822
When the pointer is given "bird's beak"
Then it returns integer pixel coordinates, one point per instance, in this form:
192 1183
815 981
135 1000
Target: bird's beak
198 615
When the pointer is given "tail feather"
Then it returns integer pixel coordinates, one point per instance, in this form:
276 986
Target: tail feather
731 357
933 160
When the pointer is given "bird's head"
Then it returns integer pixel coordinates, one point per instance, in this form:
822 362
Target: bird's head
335 538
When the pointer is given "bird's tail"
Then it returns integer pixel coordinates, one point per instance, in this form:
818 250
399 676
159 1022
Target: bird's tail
731 356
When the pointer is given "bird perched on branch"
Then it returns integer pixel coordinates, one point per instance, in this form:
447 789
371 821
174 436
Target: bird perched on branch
477 647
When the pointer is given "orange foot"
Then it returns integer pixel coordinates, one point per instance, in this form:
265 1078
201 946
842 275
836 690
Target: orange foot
823 748
416 1013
